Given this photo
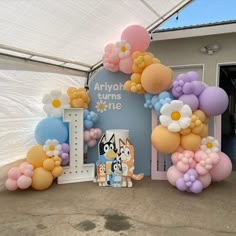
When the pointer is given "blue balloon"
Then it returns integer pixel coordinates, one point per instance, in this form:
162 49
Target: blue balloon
51 128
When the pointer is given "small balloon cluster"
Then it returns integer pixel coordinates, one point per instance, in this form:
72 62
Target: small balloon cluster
45 161
183 105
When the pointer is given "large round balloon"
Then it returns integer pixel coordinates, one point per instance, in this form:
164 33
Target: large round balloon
156 78
164 140
173 174
36 156
191 142
191 100
222 169
42 179
213 101
137 36
51 128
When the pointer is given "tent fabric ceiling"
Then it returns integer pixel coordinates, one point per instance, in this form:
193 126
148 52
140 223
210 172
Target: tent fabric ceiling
76 30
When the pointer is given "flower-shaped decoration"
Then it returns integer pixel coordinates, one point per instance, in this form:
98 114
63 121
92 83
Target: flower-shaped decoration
176 116
189 182
184 160
55 102
205 161
52 147
210 144
122 48
101 106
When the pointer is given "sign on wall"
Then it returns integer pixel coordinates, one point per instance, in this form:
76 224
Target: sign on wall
118 109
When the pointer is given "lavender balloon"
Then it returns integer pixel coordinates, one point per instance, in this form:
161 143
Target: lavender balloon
190 100
189 182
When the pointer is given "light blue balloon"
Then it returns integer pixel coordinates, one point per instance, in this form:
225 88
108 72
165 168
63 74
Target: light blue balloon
51 128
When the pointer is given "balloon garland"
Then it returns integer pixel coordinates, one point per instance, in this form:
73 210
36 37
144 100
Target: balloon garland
183 106
45 161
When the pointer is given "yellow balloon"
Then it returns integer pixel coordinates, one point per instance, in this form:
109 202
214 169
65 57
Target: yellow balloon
57 171
191 142
36 156
49 164
42 179
164 140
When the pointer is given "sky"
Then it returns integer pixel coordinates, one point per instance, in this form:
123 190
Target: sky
203 12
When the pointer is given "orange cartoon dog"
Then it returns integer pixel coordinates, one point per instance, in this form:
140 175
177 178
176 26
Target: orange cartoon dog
126 153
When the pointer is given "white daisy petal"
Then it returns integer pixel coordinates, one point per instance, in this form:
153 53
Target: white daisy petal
64 99
174 127
186 110
166 109
47 108
57 113
56 94
185 122
177 105
56 153
165 120
47 99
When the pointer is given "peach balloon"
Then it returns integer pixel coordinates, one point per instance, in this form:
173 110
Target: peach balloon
156 78
164 140
205 180
48 164
126 65
36 156
41 179
191 142
173 174
57 171
222 169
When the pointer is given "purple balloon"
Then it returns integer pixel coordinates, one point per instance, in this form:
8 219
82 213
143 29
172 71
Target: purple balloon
213 101
193 75
180 184
65 147
198 87
196 187
190 100
64 156
188 88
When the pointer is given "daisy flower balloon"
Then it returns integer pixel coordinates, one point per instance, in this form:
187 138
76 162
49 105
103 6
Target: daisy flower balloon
210 144
176 116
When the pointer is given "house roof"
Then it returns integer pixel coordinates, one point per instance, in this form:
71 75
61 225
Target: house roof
195 30
73 33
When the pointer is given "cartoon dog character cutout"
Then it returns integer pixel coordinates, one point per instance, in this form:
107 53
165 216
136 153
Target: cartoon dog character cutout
126 153
101 174
116 172
107 152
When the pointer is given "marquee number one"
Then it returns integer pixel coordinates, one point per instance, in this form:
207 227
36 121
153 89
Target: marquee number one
77 171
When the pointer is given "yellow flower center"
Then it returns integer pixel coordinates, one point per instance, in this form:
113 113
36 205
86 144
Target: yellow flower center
209 145
51 147
175 115
56 103
123 48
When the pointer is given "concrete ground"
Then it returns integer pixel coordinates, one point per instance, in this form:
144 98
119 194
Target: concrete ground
149 208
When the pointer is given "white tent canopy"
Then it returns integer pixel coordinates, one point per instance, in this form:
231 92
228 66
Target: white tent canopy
73 33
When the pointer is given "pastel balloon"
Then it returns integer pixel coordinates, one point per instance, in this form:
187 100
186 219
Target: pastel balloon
205 180
92 143
222 169
48 164
190 100
173 174
137 36
213 101
11 185
57 171
14 173
126 65
156 78
24 182
164 140
36 156
42 179
191 142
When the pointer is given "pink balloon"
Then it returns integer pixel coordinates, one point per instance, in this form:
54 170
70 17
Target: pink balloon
26 167
109 47
24 182
92 143
28 173
87 135
125 65
205 180
173 174
11 185
137 36
99 132
222 169
14 173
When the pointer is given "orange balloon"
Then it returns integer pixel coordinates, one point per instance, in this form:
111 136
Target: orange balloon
41 179
156 78
191 142
36 156
164 140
